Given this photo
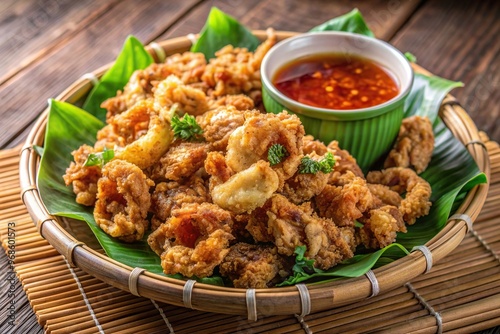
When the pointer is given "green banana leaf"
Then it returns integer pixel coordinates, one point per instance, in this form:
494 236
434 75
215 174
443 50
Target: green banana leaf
354 267
451 173
221 30
132 57
350 22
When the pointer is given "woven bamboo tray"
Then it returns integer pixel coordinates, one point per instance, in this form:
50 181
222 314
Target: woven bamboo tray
301 299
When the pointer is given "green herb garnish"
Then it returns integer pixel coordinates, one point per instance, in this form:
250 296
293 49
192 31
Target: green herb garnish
186 127
276 154
410 57
303 267
358 224
311 166
100 158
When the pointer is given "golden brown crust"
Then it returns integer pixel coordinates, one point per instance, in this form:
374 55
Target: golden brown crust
182 160
414 145
83 178
404 180
123 201
254 266
345 199
194 240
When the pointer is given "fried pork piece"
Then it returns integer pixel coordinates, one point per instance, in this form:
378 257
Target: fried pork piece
194 240
83 178
303 187
141 135
254 266
310 145
240 232
241 102
123 201
345 162
385 194
125 128
414 145
218 124
169 196
188 67
345 199
380 226
180 162
189 100
237 70
251 142
405 180
289 226
216 167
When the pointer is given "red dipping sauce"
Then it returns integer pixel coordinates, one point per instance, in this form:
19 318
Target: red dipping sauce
336 81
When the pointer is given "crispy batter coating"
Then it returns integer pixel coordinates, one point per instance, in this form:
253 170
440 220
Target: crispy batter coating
218 124
414 145
251 142
180 162
189 100
345 200
123 201
345 161
380 227
140 135
310 145
289 226
194 240
237 70
254 266
404 180
303 187
241 102
168 196
127 127
83 178
385 194
187 66
217 168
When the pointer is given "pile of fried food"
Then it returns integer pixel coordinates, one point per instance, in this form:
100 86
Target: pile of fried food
187 154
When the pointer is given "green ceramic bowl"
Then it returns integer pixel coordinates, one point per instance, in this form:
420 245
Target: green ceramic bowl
367 133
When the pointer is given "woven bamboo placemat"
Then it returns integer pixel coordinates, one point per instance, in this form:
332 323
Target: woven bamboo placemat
461 293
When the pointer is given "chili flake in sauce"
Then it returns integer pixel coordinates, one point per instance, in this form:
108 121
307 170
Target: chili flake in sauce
336 81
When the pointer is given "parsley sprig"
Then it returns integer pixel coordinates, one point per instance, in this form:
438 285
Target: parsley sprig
311 166
186 128
276 153
100 158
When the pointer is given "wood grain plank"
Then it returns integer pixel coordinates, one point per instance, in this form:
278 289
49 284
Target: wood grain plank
29 29
458 40
383 17
87 50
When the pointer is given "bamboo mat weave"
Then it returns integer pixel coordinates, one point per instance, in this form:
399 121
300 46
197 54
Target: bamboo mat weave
461 294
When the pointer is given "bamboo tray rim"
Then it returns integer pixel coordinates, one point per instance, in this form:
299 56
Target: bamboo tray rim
300 299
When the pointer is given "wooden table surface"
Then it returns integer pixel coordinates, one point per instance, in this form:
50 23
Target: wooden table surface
45 45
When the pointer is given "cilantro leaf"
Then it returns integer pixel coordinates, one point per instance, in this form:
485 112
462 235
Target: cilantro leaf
302 268
311 166
276 153
186 127
100 158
